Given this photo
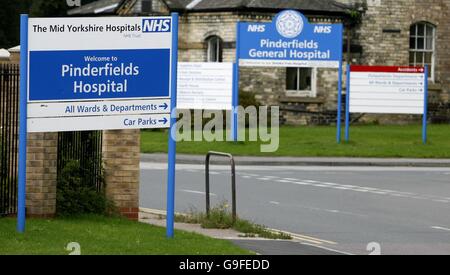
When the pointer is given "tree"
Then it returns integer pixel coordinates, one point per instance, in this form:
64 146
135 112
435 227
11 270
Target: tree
49 8
52 8
10 21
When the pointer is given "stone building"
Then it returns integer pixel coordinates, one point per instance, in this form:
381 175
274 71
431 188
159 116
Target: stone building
378 32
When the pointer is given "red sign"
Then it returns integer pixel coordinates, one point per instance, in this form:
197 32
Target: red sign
387 69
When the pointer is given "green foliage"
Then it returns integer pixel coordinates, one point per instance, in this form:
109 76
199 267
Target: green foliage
50 8
76 195
99 235
220 218
372 141
247 99
10 21
355 14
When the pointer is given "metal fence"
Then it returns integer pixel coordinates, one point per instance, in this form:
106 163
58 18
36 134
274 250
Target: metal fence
86 148
9 111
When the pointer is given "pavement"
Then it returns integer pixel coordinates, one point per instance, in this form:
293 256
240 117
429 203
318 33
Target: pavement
257 245
351 209
294 161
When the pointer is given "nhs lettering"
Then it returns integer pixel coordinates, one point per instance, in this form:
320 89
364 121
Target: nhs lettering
156 25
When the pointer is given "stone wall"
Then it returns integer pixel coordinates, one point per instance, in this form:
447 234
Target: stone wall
384 37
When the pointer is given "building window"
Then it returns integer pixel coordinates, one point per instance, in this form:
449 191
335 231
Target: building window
422 46
301 82
215 49
146 6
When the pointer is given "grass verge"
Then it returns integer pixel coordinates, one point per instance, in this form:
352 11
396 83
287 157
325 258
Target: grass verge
98 235
220 218
319 141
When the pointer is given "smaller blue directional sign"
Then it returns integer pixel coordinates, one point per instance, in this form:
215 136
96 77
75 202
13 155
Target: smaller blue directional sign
290 41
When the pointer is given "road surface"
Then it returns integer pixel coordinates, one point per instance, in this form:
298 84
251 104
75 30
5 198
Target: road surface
403 210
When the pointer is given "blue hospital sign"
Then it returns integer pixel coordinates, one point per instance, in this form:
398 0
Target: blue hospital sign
99 73
290 41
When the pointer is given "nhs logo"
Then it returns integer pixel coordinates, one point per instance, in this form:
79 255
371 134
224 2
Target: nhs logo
323 29
256 28
156 25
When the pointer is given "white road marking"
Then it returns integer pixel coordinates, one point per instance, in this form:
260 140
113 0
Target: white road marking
274 202
399 195
350 186
379 192
197 192
284 181
441 228
314 183
322 185
301 183
361 190
340 188
163 166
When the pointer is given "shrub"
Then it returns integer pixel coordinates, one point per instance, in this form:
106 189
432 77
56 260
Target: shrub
220 218
247 99
76 195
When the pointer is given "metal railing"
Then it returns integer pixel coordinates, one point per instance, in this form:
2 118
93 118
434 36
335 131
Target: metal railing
86 148
9 130
233 181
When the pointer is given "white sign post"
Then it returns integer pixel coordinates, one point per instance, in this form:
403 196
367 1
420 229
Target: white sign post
97 74
387 90
205 86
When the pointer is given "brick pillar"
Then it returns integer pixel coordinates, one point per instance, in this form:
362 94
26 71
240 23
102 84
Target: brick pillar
121 157
41 174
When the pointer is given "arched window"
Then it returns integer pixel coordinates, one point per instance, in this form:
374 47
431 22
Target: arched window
422 45
214 49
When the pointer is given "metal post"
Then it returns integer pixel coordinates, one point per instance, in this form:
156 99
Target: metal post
208 203
339 102
172 142
23 123
347 106
233 189
236 77
425 112
233 182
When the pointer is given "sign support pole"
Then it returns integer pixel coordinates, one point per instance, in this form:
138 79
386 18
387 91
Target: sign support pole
425 112
234 112
347 107
172 142
23 123
339 102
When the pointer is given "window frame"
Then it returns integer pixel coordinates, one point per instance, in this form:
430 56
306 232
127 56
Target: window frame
415 36
219 49
312 93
